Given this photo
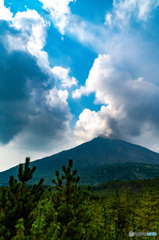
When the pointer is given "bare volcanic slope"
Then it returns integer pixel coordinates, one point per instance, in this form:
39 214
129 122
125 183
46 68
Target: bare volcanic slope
92 156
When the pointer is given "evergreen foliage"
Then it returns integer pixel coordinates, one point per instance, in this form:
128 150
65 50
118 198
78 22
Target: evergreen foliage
18 202
70 203
67 212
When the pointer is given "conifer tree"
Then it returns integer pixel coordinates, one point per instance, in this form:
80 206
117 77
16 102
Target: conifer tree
70 203
18 201
25 174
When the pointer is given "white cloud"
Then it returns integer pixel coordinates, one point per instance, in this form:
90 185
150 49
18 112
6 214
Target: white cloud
60 6
100 80
31 37
5 13
124 9
83 31
38 116
108 19
67 23
63 95
91 124
59 11
130 104
32 27
57 99
62 74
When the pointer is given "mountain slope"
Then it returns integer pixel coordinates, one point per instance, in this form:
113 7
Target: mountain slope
96 154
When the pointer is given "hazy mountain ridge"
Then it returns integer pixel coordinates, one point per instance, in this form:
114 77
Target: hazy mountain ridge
92 157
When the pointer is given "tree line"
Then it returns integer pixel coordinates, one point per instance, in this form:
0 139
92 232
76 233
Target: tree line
68 212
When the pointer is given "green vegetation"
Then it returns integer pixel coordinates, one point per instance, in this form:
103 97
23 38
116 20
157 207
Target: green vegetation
121 172
98 161
69 212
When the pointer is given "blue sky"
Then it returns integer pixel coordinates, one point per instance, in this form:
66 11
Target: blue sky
73 70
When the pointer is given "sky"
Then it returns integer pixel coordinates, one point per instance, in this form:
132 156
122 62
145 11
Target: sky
73 70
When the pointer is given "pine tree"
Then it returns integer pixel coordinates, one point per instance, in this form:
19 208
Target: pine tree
18 201
25 174
70 203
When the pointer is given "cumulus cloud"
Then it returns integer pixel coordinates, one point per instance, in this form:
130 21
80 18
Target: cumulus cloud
33 112
129 105
29 116
5 13
62 74
59 11
33 29
117 37
68 23
31 32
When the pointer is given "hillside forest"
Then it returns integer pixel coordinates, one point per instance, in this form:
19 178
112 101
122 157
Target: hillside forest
65 210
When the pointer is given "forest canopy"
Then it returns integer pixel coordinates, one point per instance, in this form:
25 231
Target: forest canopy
70 212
